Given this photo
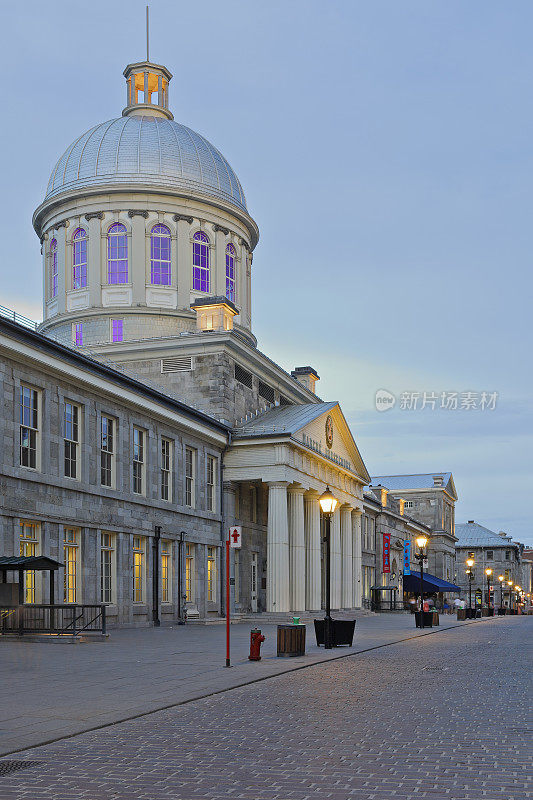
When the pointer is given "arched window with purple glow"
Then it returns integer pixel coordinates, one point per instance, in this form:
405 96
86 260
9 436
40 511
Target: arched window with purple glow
160 255
54 274
117 254
79 259
200 262
231 255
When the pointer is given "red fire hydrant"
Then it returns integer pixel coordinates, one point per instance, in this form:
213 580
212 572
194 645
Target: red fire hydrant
255 644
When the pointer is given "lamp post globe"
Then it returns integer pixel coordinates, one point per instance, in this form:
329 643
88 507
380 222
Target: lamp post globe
328 503
470 563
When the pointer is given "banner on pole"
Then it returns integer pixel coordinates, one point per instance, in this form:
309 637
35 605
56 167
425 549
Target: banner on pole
407 557
386 552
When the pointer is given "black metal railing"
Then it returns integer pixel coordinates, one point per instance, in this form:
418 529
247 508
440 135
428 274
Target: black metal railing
58 619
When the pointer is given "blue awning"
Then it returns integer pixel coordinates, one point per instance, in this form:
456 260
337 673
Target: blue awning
411 583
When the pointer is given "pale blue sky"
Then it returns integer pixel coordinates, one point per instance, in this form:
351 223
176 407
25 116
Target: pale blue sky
385 151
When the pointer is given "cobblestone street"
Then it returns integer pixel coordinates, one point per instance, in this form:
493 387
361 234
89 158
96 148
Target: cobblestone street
446 716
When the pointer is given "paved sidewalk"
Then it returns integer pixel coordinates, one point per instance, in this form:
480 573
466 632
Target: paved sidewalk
52 690
437 717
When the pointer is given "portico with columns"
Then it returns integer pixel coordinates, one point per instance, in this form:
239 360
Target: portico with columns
295 452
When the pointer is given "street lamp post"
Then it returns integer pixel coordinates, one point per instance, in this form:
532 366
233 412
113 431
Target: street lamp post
420 556
501 578
328 504
488 573
470 564
510 585
517 596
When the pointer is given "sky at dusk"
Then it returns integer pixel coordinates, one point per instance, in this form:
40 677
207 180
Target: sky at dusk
385 149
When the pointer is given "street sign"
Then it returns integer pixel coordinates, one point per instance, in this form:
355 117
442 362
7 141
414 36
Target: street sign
235 536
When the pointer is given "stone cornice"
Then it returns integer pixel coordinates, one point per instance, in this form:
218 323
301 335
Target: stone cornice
94 215
133 212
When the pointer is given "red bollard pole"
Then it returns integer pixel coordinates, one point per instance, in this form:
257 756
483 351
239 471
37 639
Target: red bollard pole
227 604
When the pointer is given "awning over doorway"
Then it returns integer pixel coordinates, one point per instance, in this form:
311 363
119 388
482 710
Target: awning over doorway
411 583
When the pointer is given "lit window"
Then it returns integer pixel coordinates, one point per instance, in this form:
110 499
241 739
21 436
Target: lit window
29 427
138 569
107 568
117 330
117 254
107 451
211 574
79 259
166 469
190 482
189 573
160 255
70 558
166 571
53 269
211 483
71 440
200 262
138 461
29 546
78 334
230 272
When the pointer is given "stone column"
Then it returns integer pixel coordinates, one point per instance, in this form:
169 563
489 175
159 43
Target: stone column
277 548
137 259
346 551
313 599
296 548
357 558
336 575
184 270
94 260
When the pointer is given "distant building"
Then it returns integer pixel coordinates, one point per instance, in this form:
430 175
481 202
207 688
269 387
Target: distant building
496 551
429 499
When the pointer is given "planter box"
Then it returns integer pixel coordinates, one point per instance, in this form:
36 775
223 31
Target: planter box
342 634
428 619
461 614
291 641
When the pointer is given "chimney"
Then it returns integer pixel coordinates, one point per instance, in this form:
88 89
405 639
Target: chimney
307 376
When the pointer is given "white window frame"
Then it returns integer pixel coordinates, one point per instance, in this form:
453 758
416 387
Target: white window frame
71 556
139 461
34 433
167 463
139 569
211 483
166 571
108 460
108 546
190 477
72 445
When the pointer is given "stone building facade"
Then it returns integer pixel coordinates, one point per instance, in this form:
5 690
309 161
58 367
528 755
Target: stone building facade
95 474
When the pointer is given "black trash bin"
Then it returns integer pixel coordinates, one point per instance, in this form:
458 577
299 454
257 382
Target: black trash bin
428 619
342 632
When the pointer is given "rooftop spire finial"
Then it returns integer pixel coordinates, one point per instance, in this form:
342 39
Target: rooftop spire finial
147 35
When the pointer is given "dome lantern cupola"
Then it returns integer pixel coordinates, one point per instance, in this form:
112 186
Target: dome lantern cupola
147 90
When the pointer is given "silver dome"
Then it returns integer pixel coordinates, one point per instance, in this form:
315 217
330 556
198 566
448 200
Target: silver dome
149 151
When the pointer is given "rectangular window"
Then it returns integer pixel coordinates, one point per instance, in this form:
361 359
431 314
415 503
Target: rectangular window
107 451
253 504
189 573
107 568
138 461
78 333
29 427
490 555
166 571
70 559
71 441
190 477
138 569
507 555
166 469
29 546
237 575
117 330
211 483
212 574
